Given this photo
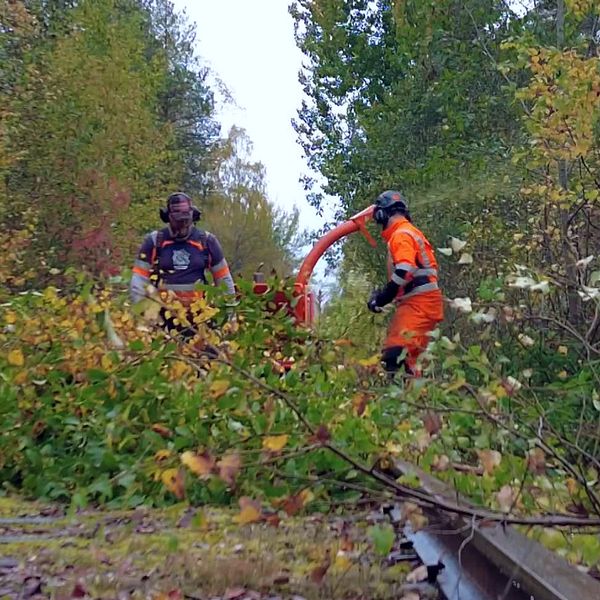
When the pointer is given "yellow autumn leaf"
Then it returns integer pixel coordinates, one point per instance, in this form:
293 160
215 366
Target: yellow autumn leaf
456 384
16 358
250 512
218 387
10 317
342 562
275 443
306 496
173 481
178 370
571 486
499 391
162 455
20 378
370 362
200 464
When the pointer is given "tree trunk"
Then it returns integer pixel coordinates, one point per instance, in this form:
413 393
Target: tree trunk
569 255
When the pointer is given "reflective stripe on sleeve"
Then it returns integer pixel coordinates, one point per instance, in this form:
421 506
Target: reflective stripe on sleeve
426 272
424 258
220 270
399 280
142 272
405 266
427 287
221 273
142 264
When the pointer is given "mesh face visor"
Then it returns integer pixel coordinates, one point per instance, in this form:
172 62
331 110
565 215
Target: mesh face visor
180 208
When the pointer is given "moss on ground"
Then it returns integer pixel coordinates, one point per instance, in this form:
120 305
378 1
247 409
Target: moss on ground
190 553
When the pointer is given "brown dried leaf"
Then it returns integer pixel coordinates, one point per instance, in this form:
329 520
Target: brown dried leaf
234 593
423 440
229 467
440 463
272 519
79 591
318 573
162 430
293 504
489 459
269 406
38 428
536 461
413 514
417 575
578 509
321 436
505 498
432 422
359 403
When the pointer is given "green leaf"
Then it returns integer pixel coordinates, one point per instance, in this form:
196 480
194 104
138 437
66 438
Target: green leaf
136 346
383 537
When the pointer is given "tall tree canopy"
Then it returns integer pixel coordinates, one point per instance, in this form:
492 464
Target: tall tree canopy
484 116
106 108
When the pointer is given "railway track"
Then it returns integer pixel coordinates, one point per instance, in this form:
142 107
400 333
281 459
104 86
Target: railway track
494 562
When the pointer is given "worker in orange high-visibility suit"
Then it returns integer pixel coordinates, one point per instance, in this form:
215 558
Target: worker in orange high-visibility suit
412 285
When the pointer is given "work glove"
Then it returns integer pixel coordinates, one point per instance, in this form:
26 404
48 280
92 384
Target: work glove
372 303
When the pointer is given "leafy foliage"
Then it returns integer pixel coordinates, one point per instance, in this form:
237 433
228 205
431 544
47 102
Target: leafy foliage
99 407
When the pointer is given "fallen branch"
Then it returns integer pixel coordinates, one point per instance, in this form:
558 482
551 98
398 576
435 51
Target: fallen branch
423 498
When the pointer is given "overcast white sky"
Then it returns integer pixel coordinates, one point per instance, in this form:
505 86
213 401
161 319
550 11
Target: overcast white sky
250 45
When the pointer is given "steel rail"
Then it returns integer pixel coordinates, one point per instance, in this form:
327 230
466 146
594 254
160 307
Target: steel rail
491 561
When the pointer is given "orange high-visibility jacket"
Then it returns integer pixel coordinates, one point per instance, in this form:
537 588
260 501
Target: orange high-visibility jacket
411 261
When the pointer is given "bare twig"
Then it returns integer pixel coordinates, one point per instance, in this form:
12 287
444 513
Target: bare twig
542 445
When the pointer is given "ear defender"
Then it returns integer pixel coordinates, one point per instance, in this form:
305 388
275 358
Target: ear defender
379 216
196 214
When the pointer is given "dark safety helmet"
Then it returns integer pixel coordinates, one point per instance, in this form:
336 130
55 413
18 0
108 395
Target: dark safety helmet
388 203
179 207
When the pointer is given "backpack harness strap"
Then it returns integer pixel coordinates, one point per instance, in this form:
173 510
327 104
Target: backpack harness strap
158 239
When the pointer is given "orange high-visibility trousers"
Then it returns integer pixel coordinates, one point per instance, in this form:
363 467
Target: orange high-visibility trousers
414 319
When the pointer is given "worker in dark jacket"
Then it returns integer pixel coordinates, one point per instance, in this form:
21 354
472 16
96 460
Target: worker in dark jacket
412 285
175 259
